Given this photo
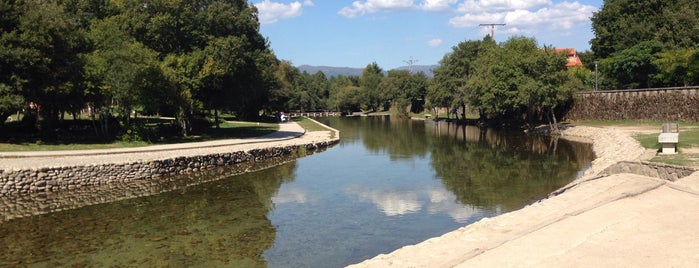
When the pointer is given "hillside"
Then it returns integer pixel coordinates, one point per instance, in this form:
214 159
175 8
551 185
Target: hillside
348 71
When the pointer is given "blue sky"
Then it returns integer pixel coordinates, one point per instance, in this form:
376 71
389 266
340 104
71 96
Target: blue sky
392 32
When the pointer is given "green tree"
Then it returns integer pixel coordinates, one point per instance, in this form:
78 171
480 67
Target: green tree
121 71
12 61
369 82
634 67
345 94
621 24
43 58
518 80
282 92
629 33
406 91
678 67
448 87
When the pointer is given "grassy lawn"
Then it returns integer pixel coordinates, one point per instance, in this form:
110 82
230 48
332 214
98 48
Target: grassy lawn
687 147
227 130
310 125
629 123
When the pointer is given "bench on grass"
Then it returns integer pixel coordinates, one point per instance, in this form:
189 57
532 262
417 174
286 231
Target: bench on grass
669 137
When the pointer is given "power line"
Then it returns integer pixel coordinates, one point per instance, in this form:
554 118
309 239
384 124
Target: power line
492 28
410 63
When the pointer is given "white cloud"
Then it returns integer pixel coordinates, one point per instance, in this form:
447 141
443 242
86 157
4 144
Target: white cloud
271 12
360 8
308 3
394 203
437 5
443 201
434 42
473 6
391 203
523 16
290 196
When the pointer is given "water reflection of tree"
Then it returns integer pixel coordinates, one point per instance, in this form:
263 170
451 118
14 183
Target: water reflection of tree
494 171
486 168
223 223
398 137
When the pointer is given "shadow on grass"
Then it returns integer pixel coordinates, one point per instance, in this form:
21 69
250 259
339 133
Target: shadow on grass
85 134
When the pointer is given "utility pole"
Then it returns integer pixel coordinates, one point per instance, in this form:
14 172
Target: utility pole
596 62
410 64
492 28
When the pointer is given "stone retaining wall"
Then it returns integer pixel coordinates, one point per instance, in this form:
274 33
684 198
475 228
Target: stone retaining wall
670 104
56 179
36 192
656 170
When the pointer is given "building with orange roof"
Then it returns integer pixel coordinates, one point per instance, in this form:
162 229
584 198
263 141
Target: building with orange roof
573 59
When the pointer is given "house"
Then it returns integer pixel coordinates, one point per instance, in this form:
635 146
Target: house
573 59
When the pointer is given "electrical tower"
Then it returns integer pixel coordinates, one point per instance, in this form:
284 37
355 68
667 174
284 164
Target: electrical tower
492 28
410 63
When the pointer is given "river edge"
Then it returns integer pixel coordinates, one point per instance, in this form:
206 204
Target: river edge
146 170
587 223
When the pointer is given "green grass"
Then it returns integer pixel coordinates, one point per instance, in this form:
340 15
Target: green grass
628 123
309 125
227 130
39 146
677 159
689 138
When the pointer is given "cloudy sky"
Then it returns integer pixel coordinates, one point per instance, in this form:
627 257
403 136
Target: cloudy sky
394 32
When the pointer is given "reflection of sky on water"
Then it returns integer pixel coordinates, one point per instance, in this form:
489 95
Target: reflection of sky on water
291 195
391 203
395 203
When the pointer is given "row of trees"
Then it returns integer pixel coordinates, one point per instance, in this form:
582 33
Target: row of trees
512 82
170 57
375 90
185 57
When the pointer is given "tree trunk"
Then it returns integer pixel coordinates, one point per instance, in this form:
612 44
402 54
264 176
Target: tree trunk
216 119
554 125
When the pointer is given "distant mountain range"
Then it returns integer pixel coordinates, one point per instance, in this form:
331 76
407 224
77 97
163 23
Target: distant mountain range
347 71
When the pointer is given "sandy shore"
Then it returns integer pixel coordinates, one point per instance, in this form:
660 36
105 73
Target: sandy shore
622 220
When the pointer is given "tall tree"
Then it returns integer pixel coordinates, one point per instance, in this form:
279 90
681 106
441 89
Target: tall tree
121 70
518 80
49 42
405 90
634 67
621 24
369 82
448 87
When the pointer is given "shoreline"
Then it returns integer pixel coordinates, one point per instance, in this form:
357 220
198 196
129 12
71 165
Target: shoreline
43 172
34 183
597 220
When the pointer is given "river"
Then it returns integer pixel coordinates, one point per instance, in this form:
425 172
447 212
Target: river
389 183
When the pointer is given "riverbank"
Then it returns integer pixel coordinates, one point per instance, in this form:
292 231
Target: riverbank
620 220
51 171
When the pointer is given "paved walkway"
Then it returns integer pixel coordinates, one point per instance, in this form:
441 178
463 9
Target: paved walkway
288 134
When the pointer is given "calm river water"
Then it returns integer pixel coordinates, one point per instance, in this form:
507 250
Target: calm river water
389 183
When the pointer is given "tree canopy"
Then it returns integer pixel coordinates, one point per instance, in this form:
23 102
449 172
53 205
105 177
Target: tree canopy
647 43
173 57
